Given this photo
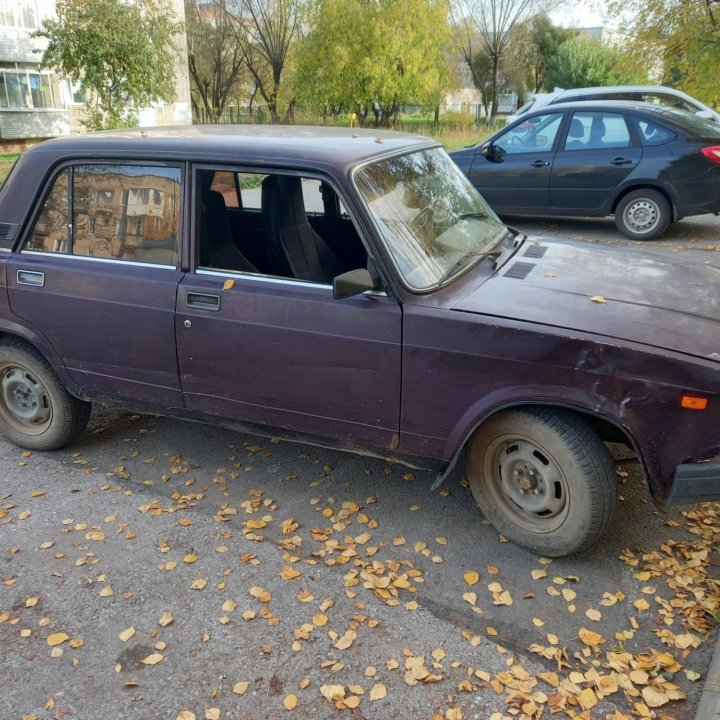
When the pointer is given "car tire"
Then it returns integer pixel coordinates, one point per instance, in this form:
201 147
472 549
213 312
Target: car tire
36 411
643 214
543 478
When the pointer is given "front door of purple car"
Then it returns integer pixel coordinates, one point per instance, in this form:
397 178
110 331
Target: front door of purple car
260 346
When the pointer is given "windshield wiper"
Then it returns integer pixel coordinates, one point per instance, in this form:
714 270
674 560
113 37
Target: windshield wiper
479 214
465 259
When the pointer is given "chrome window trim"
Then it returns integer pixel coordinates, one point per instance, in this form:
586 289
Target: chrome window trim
93 258
278 280
261 278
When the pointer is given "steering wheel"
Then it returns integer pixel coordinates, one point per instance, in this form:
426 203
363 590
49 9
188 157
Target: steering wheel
441 210
515 140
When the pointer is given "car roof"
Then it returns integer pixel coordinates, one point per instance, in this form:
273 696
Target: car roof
282 144
620 88
675 115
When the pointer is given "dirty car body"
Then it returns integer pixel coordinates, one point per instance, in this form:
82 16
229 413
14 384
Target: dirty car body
353 291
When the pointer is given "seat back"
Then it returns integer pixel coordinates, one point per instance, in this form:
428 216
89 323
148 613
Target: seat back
217 243
295 249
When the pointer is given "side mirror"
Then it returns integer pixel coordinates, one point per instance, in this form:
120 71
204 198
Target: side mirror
352 283
493 153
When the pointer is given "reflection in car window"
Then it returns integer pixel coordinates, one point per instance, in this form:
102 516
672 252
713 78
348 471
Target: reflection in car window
429 215
51 231
653 134
536 134
119 212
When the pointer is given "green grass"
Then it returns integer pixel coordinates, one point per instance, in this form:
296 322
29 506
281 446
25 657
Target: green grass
6 161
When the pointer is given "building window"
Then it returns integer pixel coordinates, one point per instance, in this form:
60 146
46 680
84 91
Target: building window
19 14
26 89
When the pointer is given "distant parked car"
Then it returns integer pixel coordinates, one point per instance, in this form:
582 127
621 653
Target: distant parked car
654 94
646 165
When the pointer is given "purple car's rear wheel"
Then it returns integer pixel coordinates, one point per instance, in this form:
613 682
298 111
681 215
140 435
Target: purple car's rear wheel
36 411
543 478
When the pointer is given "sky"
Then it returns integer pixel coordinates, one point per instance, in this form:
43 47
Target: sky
580 14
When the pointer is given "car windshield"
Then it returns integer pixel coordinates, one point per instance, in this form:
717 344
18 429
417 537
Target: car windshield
432 219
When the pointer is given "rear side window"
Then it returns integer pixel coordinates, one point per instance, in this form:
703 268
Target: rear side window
115 212
653 134
596 131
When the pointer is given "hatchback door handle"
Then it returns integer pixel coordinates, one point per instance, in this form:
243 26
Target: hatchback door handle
201 301
621 161
30 277
540 163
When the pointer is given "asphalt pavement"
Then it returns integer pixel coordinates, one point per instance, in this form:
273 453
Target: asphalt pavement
162 569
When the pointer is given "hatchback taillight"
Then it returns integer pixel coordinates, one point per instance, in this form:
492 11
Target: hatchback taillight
712 153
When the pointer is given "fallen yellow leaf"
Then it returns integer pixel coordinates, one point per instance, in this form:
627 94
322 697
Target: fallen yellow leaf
57 639
290 701
240 687
125 635
153 659
471 577
378 691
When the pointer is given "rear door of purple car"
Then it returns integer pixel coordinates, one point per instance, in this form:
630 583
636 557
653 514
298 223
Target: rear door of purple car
97 276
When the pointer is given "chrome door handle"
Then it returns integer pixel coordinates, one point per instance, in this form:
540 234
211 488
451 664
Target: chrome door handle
540 163
30 277
202 301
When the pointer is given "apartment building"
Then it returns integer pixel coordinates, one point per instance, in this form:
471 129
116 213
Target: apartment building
36 103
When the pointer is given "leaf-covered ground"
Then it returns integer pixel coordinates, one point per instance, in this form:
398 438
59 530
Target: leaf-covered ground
160 569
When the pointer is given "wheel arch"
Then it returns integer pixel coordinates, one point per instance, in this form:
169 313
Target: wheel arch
645 186
37 341
607 428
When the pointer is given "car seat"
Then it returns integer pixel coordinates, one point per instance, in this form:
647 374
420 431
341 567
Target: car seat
295 249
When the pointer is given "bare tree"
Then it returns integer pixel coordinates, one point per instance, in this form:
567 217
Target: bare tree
483 32
217 63
265 31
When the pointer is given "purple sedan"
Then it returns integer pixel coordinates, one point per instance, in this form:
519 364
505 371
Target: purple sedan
352 289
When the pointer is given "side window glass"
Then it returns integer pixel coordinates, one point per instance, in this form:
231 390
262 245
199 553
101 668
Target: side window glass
652 134
126 212
597 130
51 230
537 134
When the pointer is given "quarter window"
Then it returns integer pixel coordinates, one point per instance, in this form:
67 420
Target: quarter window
116 212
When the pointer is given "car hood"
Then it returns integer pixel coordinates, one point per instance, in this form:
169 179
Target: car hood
615 292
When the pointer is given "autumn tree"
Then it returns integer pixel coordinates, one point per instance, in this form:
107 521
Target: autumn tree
588 62
372 56
533 45
218 69
120 52
680 39
484 28
266 31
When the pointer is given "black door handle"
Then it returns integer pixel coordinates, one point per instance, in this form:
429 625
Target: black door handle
540 163
201 301
620 161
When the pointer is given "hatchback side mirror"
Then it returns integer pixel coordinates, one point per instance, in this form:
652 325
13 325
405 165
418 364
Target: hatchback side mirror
493 153
352 283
